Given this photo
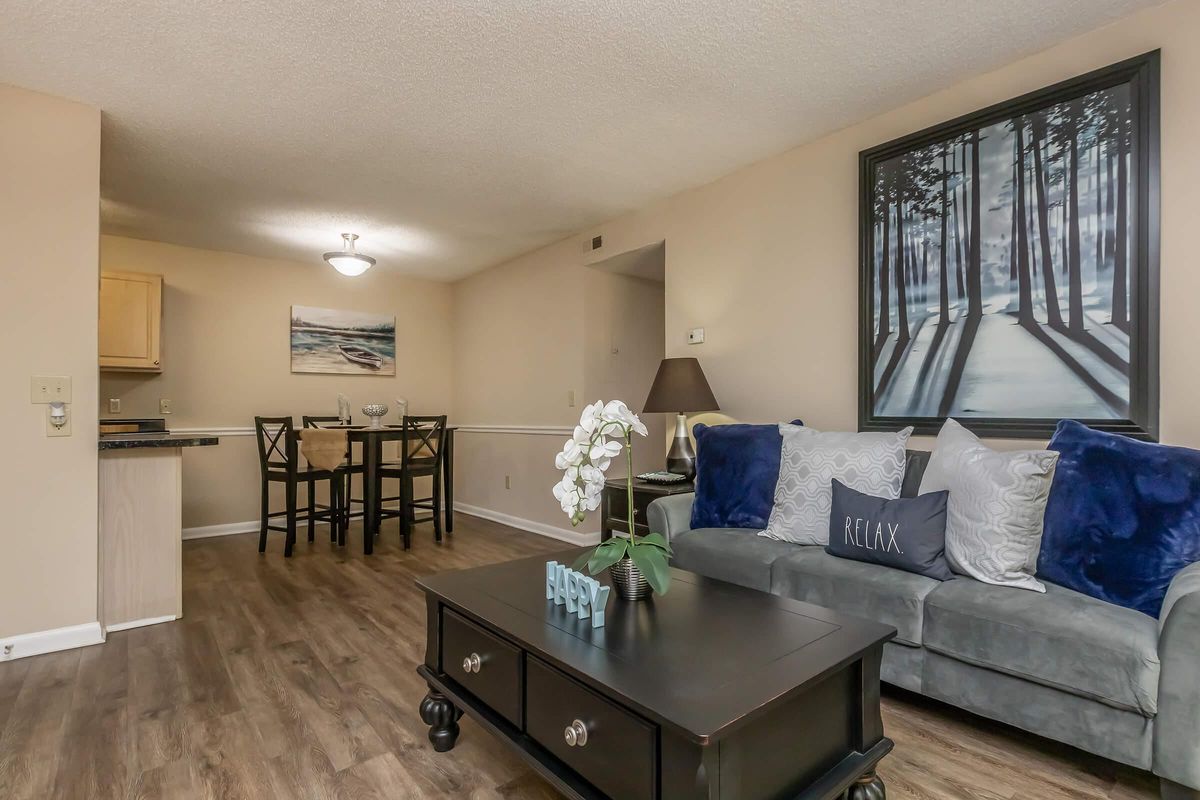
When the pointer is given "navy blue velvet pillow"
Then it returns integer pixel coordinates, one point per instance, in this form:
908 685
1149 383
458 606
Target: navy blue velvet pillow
1123 516
737 467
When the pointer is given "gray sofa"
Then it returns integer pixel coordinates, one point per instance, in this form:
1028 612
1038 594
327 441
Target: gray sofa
1103 678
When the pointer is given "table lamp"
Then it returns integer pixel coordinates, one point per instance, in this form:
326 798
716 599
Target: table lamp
680 387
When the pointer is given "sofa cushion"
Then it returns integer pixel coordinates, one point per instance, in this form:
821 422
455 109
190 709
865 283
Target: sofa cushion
874 592
1123 516
728 554
997 501
872 463
1062 639
915 462
907 533
736 470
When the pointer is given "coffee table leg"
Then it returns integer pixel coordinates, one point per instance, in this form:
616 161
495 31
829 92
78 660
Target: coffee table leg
442 718
869 787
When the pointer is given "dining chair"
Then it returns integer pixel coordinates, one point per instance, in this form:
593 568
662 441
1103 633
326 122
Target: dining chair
279 462
345 474
421 454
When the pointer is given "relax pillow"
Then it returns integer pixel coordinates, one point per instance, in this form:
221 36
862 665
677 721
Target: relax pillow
997 501
736 470
869 462
1123 516
908 533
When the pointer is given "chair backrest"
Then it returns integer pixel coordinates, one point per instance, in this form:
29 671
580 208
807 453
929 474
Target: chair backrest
424 438
310 421
276 442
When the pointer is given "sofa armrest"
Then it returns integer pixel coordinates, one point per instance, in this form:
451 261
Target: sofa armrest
1177 726
671 515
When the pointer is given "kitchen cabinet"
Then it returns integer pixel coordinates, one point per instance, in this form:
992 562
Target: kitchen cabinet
130 322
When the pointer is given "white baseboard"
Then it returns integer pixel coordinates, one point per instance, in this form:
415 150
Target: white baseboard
139 623
230 528
540 528
225 529
34 644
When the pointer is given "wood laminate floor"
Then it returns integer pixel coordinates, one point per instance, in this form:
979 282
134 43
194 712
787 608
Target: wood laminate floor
295 679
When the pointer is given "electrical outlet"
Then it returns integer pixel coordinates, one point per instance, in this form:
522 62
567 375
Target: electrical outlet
571 398
58 430
114 405
164 406
49 389
507 482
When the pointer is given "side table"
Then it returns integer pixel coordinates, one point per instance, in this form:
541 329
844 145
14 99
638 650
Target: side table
614 504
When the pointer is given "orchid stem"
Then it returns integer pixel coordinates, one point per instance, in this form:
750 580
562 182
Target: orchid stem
629 482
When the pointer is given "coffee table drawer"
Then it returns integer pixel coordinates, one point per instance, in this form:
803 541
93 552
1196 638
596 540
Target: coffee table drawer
482 663
614 749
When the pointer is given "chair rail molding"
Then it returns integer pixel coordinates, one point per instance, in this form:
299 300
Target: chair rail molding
525 430
529 430
216 431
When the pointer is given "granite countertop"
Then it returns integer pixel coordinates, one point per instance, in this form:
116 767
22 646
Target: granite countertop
125 441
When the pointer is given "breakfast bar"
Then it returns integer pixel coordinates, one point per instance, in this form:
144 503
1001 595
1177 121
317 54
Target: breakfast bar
141 504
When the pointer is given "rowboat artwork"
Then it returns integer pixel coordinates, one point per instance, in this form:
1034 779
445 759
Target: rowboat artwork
334 341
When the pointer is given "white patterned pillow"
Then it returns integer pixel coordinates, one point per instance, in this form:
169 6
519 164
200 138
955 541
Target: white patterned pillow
996 508
871 463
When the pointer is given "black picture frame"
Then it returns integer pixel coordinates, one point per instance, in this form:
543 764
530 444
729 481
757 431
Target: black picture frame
1142 74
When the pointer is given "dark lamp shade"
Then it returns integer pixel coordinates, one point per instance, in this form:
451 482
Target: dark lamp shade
680 387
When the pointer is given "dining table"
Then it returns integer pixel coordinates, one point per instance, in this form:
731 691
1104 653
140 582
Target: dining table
371 440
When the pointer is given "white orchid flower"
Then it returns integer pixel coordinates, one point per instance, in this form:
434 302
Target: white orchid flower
604 450
618 412
571 455
590 419
589 473
587 455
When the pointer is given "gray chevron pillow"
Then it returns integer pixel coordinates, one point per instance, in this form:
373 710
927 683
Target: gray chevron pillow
996 507
871 463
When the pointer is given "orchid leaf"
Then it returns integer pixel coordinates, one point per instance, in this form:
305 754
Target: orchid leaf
653 564
582 561
606 555
655 540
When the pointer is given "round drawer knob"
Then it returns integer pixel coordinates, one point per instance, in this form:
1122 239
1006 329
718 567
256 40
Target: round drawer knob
576 734
472 663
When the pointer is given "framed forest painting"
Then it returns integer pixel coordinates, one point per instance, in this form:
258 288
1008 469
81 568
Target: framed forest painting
1009 264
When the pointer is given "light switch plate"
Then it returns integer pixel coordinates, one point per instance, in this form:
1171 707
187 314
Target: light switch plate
696 336
49 388
164 406
114 405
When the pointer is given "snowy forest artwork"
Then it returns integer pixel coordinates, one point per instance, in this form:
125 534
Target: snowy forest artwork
1002 263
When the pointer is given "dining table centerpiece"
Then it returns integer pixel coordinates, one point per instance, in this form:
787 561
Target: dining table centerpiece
637 564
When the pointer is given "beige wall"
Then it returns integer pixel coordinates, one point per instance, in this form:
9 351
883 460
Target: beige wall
49 218
526 333
766 259
226 357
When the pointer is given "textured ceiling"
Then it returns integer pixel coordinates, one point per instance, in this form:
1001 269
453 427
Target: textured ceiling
453 135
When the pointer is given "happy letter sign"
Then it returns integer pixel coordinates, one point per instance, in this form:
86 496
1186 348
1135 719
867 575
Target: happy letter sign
583 596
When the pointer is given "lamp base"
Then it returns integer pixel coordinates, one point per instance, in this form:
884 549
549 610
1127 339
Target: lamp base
681 458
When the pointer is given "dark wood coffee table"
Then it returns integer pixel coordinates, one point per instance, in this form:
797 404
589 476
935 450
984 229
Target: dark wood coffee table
711 691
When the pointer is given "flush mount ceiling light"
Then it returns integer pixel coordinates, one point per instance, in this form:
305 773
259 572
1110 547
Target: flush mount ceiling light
346 260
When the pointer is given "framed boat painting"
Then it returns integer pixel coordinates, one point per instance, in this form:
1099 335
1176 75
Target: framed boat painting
1009 264
329 340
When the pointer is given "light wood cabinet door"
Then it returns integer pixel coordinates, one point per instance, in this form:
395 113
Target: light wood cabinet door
130 321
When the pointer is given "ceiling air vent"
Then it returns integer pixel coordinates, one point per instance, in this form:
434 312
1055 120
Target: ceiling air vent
597 242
